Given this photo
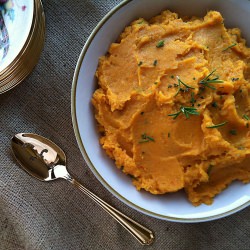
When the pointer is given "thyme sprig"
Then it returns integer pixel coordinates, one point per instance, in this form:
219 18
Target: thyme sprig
246 117
179 85
230 46
217 125
187 111
146 138
160 44
207 81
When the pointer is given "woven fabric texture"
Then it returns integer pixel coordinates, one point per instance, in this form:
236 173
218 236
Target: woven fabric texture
36 215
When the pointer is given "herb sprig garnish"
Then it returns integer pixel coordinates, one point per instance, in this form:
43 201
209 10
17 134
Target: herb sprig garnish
206 81
160 44
246 117
179 85
230 46
187 111
217 125
234 79
146 138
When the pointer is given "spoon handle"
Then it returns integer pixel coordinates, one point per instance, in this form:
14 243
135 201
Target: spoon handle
142 234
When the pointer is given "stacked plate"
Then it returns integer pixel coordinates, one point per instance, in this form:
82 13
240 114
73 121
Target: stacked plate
22 35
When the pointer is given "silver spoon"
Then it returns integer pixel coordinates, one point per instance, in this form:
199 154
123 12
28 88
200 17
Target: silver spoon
44 160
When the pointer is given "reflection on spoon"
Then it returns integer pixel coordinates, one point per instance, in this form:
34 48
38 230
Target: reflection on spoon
44 160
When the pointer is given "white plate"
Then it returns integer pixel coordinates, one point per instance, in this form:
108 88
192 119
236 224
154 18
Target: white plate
173 207
17 16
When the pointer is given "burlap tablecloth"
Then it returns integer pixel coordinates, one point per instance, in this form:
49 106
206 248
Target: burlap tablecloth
37 215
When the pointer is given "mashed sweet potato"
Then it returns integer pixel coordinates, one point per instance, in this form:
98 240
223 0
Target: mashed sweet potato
173 105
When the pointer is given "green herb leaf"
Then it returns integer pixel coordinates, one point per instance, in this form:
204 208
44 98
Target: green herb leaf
175 115
233 132
206 81
246 117
234 79
217 125
187 111
155 62
160 44
180 82
146 138
230 46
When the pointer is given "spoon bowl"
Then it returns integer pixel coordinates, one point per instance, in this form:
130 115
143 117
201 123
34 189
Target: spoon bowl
46 161
37 155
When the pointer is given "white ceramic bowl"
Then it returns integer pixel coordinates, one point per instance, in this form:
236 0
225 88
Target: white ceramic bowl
173 207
